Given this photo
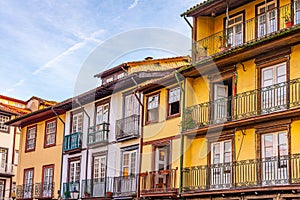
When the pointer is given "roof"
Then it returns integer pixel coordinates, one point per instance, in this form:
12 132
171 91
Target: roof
141 62
188 11
13 109
43 101
13 99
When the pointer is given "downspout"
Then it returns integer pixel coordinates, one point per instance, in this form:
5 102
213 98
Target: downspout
87 148
226 23
181 136
140 145
62 151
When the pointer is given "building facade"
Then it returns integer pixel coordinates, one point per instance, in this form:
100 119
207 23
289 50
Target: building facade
241 118
10 108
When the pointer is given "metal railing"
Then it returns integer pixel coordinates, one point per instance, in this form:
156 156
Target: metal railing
125 185
274 98
98 134
270 171
251 30
69 188
127 127
159 181
97 187
44 190
24 191
6 168
73 141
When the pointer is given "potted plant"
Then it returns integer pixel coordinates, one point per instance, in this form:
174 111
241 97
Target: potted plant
67 194
108 194
86 194
288 21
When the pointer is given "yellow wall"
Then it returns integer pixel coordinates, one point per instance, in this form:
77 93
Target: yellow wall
41 156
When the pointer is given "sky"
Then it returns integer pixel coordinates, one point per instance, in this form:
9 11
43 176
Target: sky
45 44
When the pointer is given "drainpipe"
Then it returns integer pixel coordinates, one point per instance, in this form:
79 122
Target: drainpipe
62 151
87 148
181 136
140 145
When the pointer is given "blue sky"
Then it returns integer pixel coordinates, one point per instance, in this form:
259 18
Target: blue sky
45 43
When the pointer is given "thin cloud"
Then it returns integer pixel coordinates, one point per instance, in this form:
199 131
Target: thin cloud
17 84
134 4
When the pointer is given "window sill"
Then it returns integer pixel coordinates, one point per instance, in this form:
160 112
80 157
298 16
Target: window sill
173 116
151 122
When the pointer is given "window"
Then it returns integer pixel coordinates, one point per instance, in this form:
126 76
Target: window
129 163
162 159
235 30
99 168
297 11
28 183
50 133
102 114
174 101
2 189
131 105
3 159
221 158
267 18
273 97
16 157
48 180
74 173
274 158
152 108
77 122
3 119
30 139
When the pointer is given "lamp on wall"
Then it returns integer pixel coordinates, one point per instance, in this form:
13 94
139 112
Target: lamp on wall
213 14
74 193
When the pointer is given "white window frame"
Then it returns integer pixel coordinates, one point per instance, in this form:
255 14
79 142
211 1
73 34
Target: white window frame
233 25
51 127
3 119
28 183
102 113
31 138
48 180
99 166
153 107
3 159
265 27
77 122
130 164
174 97
74 171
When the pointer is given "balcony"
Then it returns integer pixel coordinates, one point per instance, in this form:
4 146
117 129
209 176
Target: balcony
73 142
284 96
246 174
159 183
127 128
6 169
44 190
70 189
101 187
24 191
98 135
253 31
125 186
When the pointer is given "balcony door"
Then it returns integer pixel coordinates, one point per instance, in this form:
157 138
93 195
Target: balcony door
99 176
275 159
267 18
296 11
77 122
74 175
102 114
273 94
48 181
28 183
131 109
162 155
2 189
221 104
235 31
3 160
129 165
221 161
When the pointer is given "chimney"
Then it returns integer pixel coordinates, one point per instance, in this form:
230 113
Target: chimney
149 58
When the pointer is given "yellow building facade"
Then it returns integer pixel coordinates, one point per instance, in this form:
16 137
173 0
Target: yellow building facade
41 141
241 115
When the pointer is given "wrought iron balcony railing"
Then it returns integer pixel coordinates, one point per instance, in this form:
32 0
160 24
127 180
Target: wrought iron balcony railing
73 141
272 171
127 127
24 191
70 188
125 185
6 168
98 134
274 98
255 29
162 181
100 187
43 190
